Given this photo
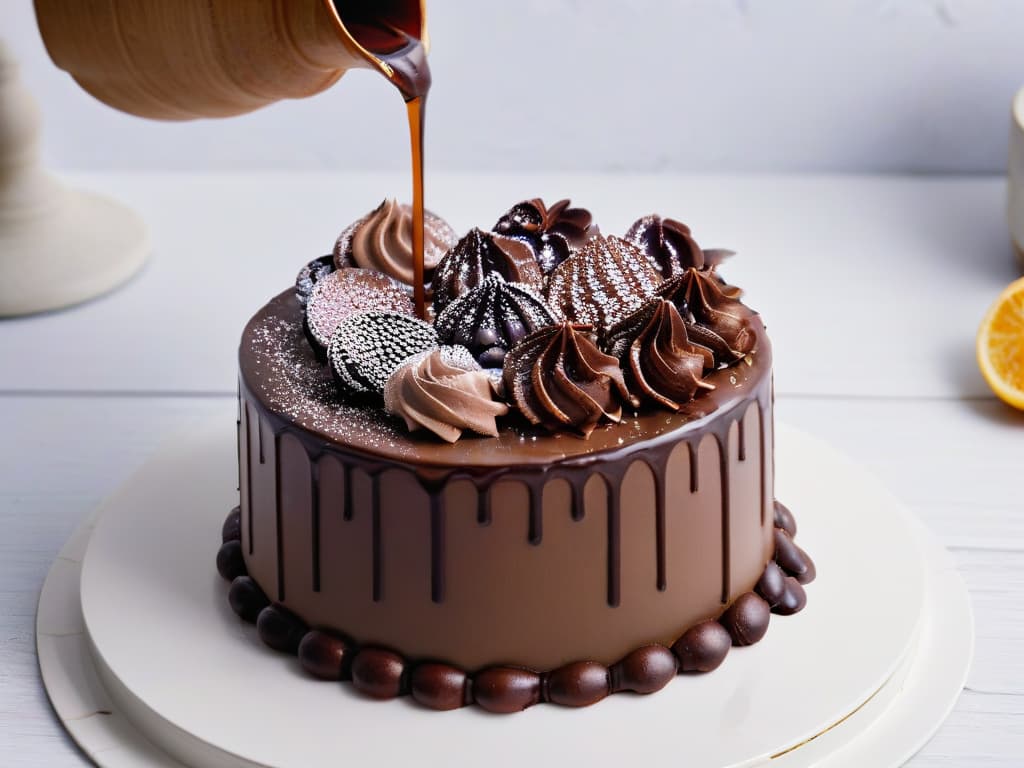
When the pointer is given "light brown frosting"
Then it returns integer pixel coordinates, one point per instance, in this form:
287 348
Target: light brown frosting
446 392
383 241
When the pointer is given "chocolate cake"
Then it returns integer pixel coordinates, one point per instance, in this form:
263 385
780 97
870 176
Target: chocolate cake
556 485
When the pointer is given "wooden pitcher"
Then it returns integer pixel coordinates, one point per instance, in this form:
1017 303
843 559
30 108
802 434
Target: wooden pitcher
184 59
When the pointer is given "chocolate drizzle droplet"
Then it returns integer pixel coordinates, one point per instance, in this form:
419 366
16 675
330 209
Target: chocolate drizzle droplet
747 619
324 655
702 648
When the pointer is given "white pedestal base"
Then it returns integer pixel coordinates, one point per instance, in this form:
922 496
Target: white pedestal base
862 677
74 246
58 246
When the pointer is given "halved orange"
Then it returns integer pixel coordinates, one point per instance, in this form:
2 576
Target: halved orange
1000 345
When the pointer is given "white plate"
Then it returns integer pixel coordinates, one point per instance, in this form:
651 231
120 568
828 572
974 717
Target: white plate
178 666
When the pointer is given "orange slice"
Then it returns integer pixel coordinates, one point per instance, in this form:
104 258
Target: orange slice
1000 345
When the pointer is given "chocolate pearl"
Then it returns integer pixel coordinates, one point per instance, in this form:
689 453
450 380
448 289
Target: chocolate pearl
438 686
247 599
809 575
280 629
645 670
506 689
515 331
324 655
230 562
788 555
492 358
378 673
579 684
746 619
793 600
784 518
232 528
485 337
703 647
772 584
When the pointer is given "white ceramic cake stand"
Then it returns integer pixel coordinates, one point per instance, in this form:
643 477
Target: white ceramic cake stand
58 246
145 663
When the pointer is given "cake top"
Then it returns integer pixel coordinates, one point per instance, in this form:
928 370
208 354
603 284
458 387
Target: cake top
541 327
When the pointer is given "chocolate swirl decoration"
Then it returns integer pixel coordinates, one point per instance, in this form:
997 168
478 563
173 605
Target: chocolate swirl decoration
382 240
714 319
493 318
554 233
660 362
667 243
559 379
444 391
713 258
477 255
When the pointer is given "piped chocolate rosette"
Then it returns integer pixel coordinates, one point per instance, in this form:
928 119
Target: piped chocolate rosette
541 324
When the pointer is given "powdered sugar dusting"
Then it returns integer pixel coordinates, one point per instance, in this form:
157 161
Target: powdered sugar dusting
347 292
298 386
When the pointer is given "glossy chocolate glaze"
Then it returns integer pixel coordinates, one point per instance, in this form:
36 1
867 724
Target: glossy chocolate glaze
529 548
381 673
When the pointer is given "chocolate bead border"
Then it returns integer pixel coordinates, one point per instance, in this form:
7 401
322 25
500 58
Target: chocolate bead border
380 673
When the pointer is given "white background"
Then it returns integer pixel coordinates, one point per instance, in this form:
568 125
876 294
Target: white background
609 85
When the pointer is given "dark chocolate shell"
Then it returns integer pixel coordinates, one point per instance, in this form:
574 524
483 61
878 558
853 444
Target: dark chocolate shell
667 243
311 274
478 255
554 233
602 283
367 348
347 292
492 318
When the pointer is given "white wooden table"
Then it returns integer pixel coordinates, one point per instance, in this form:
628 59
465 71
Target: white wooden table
871 287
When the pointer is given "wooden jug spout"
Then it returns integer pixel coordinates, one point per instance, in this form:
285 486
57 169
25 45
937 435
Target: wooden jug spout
184 59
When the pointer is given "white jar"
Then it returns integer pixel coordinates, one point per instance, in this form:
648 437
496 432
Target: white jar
1015 208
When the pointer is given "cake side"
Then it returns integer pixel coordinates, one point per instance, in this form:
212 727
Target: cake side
552 483
628 538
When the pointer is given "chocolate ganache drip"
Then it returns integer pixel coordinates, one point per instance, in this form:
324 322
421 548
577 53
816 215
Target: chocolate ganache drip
382 240
715 320
477 255
660 362
554 233
667 243
559 379
491 319
444 391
